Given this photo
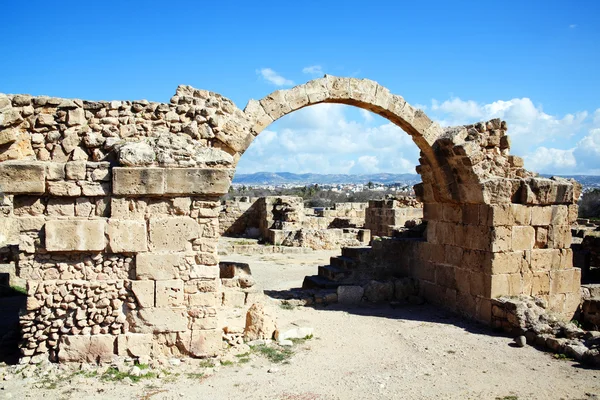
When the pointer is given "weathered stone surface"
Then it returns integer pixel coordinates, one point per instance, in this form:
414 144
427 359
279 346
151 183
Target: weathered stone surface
136 154
127 236
259 325
201 343
157 320
173 234
138 181
144 292
22 177
157 266
169 293
85 348
134 344
75 235
197 181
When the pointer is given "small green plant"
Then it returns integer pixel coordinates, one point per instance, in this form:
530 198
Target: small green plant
195 375
576 323
114 375
243 358
301 340
273 354
284 305
19 289
561 356
507 398
207 364
226 363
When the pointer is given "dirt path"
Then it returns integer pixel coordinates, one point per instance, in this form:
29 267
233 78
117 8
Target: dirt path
378 352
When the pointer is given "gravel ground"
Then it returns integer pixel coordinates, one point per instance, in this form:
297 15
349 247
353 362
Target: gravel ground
371 352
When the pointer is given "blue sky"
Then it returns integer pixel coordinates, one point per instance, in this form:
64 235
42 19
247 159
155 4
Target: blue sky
533 63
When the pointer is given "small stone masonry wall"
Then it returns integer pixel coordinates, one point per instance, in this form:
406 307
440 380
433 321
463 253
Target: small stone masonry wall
115 206
383 216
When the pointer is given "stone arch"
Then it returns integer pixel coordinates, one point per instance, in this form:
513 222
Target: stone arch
362 93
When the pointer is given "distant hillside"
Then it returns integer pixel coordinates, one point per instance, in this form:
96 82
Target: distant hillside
281 178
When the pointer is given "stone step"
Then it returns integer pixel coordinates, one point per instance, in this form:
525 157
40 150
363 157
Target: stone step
318 282
356 253
333 273
342 262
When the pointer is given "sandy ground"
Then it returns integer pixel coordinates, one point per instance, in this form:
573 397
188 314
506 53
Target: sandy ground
378 352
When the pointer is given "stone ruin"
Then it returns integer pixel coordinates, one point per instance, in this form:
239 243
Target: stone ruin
110 213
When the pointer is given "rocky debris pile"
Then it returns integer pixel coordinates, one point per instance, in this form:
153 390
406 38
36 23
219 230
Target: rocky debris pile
527 316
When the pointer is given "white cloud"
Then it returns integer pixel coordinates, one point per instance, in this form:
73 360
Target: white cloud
332 138
573 26
273 77
545 159
313 70
367 115
548 143
322 138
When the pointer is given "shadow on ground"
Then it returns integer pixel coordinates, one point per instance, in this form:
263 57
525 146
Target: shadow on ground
394 310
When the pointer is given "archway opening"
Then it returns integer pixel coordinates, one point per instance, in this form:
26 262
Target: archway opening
326 177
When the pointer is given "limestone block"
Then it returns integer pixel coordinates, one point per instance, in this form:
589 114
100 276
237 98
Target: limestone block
17 177
234 298
134 344
544 259
501 239
523 238
136 154
76 170
127 236
173 233
203 299
75 235
201 343
85 348
565 281
540 283
9 231
208 322
204 181
63 188
144 292
55 171
204 272
95 189
316 90
559 236
505 285
158 320
157 266
169 293
138 181
61 206
8 136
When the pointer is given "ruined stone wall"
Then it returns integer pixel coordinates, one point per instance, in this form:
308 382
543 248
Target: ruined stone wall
384 216
115 209
115 206
344 215
239 217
